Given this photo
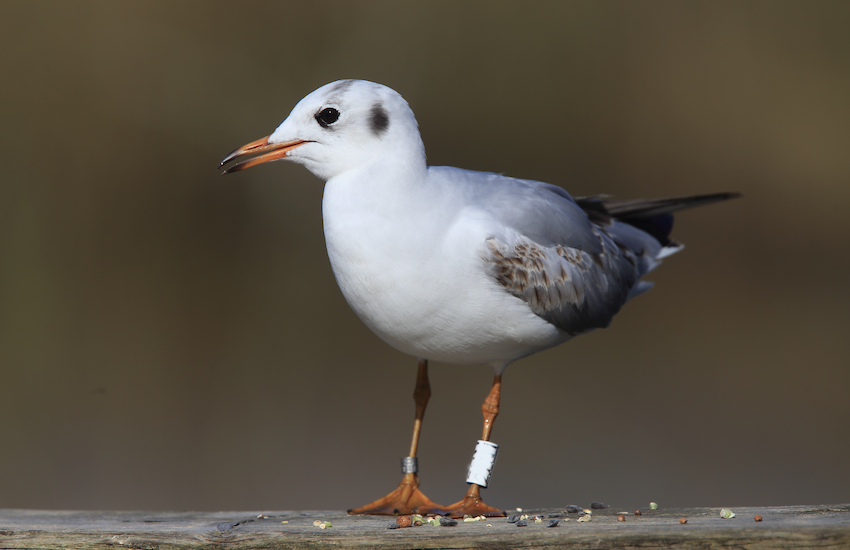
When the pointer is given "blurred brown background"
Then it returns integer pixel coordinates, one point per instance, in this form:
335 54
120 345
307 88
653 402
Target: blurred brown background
173 339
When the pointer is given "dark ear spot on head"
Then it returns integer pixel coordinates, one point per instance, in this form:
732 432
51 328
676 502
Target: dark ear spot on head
379 120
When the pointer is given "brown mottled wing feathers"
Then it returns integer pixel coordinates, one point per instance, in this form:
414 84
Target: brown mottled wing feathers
572 289
576 284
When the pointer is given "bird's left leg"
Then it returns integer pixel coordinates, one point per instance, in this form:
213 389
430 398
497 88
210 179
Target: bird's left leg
472 503
407 498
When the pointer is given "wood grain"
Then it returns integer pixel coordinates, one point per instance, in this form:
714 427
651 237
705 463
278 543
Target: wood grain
782 527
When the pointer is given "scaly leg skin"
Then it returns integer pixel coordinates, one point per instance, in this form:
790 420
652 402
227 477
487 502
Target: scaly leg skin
407 498
472 504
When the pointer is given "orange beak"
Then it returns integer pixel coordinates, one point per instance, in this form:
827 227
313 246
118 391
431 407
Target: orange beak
258 152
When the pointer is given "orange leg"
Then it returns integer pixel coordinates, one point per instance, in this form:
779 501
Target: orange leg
472 503
407 498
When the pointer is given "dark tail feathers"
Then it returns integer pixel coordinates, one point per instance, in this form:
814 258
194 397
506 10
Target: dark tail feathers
651 215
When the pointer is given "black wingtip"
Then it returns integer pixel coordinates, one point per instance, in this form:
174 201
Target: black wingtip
646 208
654 216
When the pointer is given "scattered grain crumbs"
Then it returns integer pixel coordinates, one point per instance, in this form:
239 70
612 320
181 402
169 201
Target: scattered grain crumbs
404 521
468 519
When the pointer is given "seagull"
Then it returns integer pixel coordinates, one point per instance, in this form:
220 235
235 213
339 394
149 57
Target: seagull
458 266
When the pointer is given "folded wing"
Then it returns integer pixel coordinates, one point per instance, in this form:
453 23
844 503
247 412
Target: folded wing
580 288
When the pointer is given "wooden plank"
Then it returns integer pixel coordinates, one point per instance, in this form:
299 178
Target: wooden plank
782 527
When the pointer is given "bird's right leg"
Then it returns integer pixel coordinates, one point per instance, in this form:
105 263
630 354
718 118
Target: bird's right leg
407 498
472 504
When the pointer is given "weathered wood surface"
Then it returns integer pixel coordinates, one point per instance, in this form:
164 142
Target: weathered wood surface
782 527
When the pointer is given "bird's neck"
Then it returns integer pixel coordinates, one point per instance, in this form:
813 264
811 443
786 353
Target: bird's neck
378 186
373 207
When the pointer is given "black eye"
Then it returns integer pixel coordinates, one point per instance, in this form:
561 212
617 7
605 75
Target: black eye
327 116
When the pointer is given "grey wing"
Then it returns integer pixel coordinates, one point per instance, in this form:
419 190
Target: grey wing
542 212
572 260
572 270
575 290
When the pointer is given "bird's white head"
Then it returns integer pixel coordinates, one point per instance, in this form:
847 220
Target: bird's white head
341 126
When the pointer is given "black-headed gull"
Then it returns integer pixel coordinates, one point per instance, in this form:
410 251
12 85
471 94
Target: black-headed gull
458 266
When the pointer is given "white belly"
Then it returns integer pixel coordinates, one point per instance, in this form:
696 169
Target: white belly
420 282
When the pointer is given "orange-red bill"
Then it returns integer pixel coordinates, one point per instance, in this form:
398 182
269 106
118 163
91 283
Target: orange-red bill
259 151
